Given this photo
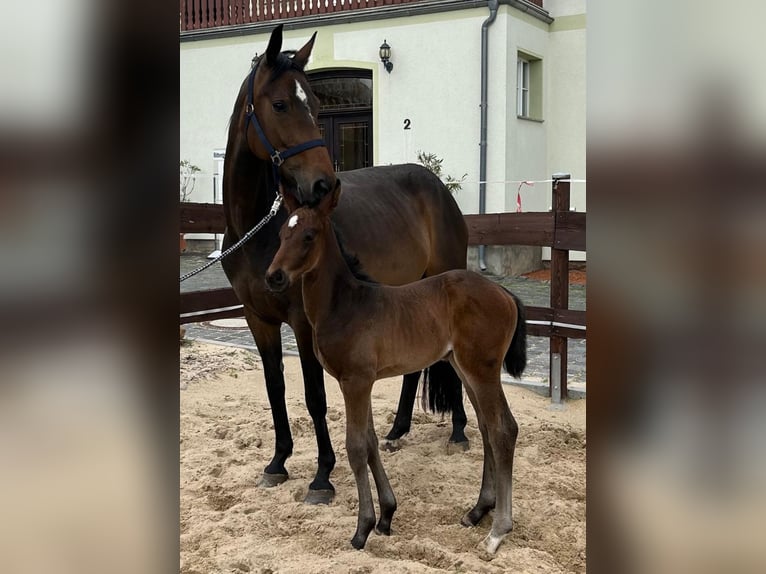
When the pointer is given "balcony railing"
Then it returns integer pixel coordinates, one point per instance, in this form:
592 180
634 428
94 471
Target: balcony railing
203 14
199 14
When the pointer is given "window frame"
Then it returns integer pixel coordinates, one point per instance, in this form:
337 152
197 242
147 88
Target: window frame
529 86
522 87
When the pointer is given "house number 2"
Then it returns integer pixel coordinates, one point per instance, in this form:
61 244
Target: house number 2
407 124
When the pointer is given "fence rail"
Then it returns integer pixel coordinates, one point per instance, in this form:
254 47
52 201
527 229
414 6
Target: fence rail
559 229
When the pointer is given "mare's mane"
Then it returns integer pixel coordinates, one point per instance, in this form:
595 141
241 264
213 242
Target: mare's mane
351 259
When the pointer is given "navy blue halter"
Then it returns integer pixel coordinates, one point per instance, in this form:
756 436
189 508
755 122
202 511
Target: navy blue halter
277 157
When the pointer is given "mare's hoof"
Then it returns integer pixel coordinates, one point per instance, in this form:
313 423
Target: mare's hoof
391 445
458 447
358 542
466 520
271 480
319 496
383 531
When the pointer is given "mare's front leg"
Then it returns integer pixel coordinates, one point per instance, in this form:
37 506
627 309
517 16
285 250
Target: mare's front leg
356 395
403 419
321 490
268 340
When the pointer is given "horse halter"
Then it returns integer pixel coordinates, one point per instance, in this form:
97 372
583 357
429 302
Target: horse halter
277 157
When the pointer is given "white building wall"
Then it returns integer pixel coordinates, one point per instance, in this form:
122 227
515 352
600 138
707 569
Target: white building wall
565 110
565 106
525 140
435 84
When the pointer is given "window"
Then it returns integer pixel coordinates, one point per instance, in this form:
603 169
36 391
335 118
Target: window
529 87
522 81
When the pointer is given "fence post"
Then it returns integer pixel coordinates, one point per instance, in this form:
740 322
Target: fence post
559 284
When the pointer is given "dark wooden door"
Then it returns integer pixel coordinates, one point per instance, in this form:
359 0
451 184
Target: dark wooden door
348 138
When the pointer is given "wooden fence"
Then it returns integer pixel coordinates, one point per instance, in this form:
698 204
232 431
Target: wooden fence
560 229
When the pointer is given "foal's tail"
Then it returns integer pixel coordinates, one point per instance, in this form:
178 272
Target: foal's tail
516 357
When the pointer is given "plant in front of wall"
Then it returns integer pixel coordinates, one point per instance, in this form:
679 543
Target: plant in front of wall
433 163
188 179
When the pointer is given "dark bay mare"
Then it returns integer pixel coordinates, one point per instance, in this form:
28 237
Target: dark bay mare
458 316
399 221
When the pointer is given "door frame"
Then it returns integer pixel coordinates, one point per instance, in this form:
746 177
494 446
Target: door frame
331 118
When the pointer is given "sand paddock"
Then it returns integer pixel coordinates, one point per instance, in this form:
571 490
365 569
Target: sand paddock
230 525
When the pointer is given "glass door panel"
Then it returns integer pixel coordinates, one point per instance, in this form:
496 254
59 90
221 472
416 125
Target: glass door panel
353 149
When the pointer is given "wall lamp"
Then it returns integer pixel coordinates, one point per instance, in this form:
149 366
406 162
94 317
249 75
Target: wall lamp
385 56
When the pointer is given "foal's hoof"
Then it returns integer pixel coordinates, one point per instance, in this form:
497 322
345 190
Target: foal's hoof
272 480
319 496
490 545
391 445
458 447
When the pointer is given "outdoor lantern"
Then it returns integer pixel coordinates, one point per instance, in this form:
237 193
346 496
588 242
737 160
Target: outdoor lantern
385 56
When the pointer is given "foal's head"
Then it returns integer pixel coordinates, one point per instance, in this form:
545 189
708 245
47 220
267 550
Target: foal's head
302 240
287 111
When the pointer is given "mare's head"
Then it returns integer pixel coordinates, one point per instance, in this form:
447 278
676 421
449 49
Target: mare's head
302 240
286 110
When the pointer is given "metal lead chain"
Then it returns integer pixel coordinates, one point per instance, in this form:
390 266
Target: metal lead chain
272 212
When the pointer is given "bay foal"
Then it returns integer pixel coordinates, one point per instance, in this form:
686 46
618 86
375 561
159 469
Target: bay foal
365 331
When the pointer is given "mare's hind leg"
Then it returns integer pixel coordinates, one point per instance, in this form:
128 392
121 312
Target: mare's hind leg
321 490
356 395
386 496
443 375
268 340
403 418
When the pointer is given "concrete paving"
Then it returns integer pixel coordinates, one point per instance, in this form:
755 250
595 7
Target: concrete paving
234 332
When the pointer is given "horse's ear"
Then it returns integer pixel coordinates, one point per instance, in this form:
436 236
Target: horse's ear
275 46
290 202
301 57
330 201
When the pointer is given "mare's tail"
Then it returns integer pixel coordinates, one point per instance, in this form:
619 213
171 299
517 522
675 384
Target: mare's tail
442 389
516 357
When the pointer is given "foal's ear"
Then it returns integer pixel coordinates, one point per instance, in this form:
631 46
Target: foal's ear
275 46
289 200
301 57
330 201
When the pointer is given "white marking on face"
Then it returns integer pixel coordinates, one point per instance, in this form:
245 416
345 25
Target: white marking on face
301 95
293 221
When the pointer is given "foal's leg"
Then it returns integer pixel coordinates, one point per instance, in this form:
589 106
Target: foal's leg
356 395
486 500
502 431
321 490
385 492
403 418
268 340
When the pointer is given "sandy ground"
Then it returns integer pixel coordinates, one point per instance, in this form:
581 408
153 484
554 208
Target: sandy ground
228 524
